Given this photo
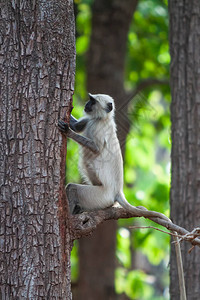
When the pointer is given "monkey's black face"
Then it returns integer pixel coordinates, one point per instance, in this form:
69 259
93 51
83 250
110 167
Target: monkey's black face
89 105
100 106
109 107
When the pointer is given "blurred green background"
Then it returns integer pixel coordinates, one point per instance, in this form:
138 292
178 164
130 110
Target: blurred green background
142 254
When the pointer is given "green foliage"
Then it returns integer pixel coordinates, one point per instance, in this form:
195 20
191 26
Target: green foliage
73 151
123 247
147 156
146 183
74 262
135 284
147 53
147 159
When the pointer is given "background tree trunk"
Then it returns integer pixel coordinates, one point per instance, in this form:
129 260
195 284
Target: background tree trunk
185 115
37 63
106 57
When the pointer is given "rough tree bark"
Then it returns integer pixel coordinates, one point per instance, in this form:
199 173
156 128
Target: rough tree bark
37 65
110 25
185 115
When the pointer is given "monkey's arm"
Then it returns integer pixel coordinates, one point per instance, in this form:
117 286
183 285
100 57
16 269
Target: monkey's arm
77 125
81 140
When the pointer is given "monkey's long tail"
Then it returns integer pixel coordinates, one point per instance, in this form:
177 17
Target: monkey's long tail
139 211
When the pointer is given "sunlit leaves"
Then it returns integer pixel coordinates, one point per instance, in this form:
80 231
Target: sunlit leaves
82 44
123 247
135 284
74 262
83 25
147 46
83 19
147 160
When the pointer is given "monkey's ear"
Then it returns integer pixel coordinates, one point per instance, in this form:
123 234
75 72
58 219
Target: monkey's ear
91 97
109 107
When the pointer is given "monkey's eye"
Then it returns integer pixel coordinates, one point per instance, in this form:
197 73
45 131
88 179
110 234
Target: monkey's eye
109 107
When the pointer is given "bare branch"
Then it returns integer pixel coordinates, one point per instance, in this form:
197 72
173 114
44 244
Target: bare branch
85 223
146 83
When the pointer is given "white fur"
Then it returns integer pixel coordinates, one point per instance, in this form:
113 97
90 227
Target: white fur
105 169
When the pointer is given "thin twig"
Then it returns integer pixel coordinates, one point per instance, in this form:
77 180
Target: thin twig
152 227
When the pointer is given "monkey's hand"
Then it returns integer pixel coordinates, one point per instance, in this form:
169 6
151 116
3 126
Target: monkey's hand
63 127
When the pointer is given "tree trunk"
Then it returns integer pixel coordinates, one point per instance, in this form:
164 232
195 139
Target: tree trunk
110 25
37 65
185 116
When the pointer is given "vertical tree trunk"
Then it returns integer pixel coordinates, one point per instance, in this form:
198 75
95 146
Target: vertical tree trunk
185 115
110 25
37 64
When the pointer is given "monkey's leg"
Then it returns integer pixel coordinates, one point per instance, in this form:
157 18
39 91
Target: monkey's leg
88 197
72 197
82 140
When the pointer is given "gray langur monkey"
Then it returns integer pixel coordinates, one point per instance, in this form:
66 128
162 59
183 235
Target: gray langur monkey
101 166
101 163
